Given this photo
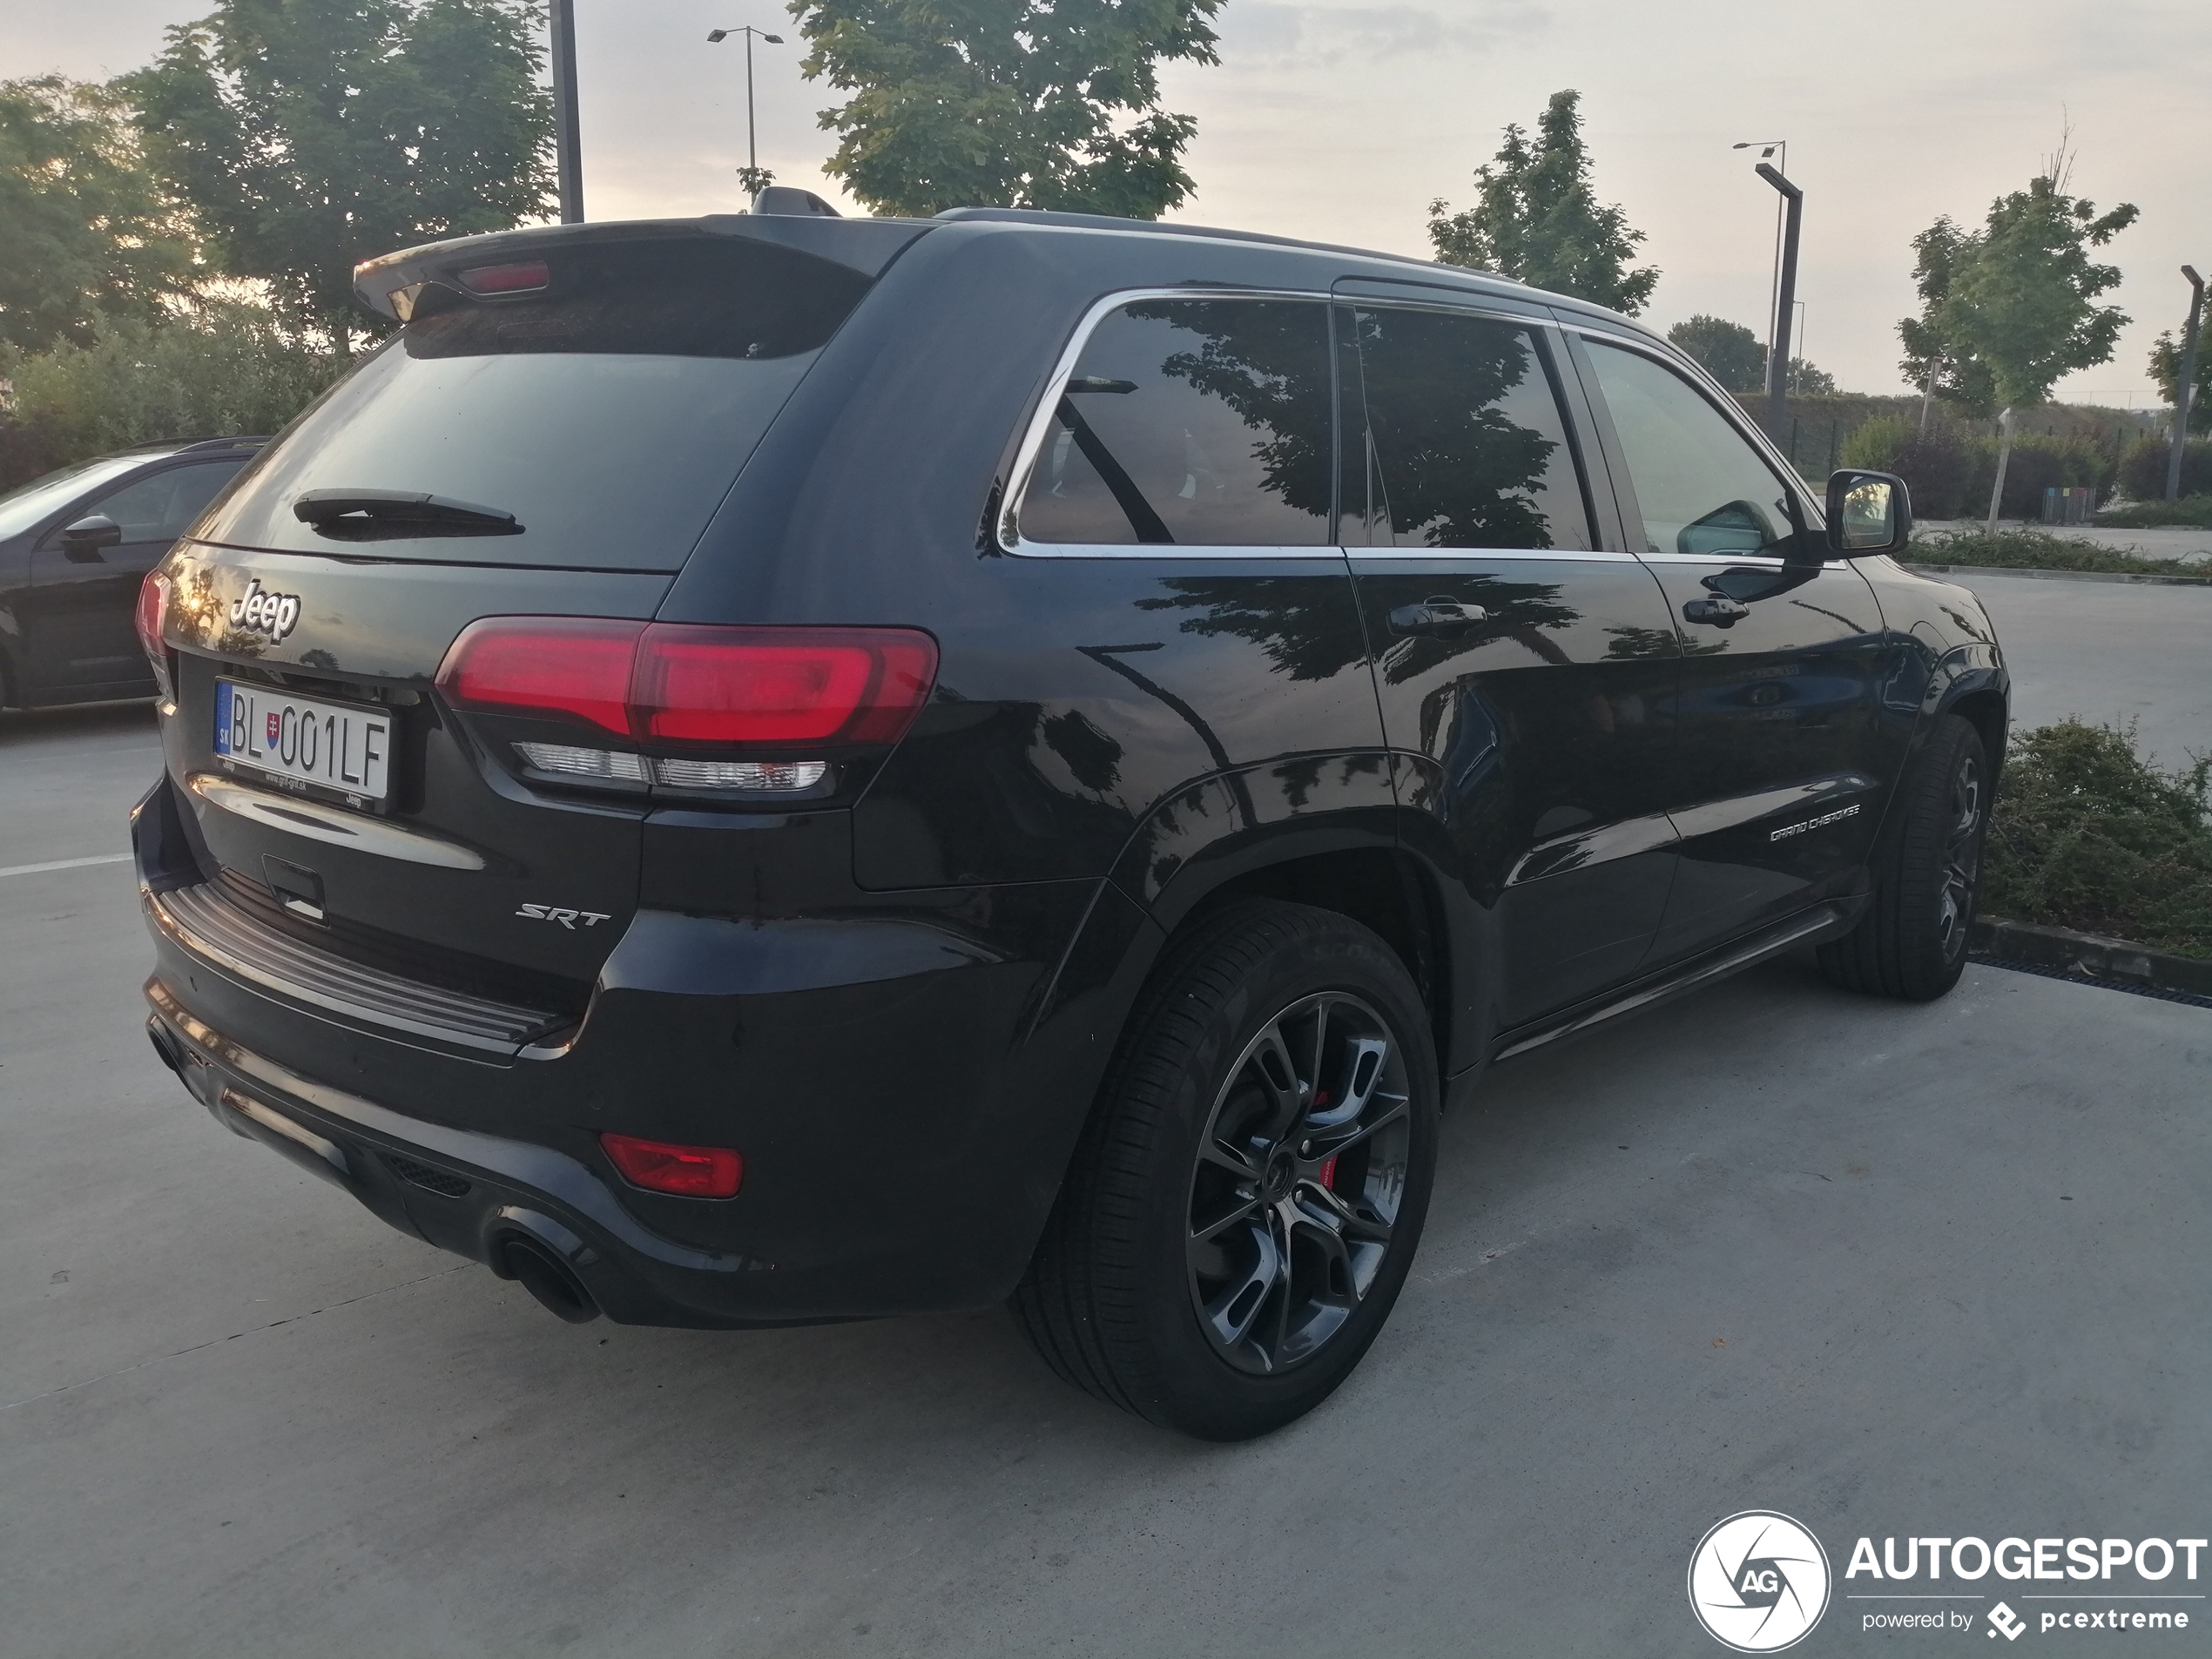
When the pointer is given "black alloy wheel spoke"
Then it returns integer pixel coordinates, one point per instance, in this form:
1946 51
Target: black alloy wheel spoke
1294 1198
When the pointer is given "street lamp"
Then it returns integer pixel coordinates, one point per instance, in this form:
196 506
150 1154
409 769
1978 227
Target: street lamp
567 162
2184 383
755 180
1770 149
1785 283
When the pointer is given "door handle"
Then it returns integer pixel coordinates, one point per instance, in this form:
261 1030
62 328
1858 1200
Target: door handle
1719 609
1436 617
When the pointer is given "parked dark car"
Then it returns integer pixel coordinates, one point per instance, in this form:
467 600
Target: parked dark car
763 770
75 547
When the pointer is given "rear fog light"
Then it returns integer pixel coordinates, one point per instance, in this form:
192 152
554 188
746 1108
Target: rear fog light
687 1171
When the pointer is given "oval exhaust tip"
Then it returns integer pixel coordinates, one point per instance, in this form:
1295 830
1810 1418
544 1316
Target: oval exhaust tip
549 1279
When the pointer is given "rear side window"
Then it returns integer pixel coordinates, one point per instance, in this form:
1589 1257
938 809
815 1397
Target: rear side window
607 413
1195 422
1463 445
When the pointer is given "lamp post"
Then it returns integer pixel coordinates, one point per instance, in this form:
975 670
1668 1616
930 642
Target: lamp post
567 162
755 181
1777 362
2185 384
1770 149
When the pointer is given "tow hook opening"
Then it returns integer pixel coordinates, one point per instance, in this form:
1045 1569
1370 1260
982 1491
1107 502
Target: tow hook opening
549 1278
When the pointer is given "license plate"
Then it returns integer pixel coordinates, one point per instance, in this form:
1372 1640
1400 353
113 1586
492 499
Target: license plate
346 749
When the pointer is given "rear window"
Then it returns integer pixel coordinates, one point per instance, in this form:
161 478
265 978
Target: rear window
596 423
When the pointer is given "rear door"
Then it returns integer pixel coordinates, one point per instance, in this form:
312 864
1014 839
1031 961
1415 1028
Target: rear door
1525 670
81 600
1777 782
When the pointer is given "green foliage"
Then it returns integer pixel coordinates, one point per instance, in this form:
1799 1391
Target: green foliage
2089 835
1950 473
2008 309
1727 351
2032 550
308 135
2190 512
1536 219
225 369
1808 382
2165 369
2142 468
87 233
1042 103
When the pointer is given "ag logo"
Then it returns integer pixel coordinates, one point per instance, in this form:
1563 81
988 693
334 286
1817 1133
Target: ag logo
1758 1582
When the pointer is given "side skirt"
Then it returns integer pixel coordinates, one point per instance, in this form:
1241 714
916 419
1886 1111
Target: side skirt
1807 928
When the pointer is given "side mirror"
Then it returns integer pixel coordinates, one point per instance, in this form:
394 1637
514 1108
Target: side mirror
1868 513
89 535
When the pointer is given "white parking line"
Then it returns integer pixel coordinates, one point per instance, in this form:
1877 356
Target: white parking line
64 864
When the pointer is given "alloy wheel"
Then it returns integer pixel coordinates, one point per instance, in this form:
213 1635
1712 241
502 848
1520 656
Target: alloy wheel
1961 859
1301 1174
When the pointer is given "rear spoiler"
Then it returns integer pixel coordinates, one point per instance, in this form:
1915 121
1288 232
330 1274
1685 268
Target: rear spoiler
387 284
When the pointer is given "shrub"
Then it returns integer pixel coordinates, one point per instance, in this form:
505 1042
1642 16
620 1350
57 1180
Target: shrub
1937 467
2030 549
2090 835
2142 468
2194 511
225 369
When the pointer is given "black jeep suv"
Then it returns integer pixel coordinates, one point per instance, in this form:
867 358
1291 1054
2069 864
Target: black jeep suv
771 769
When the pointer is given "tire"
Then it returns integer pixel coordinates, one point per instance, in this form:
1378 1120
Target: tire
1911 943
1154 1287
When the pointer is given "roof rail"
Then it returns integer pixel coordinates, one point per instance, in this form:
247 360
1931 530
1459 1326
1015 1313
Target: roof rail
1176 228
184 446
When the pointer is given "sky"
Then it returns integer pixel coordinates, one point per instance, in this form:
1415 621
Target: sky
1341 121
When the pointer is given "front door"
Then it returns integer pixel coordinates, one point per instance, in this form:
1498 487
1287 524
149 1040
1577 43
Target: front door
78 612
1525 674
1777 782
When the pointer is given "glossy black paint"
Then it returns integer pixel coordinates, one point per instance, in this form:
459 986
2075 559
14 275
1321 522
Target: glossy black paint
899 1003
66 603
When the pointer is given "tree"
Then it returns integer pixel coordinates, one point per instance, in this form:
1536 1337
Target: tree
2008 309
1044 104
308 135
1805 381
1535 219
1727 351
87 234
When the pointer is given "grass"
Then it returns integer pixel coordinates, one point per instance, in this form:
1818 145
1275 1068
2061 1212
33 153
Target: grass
2191 511
2089 835
2024 549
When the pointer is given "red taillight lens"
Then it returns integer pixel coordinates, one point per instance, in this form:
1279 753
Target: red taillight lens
153 606
519 278
688 1172
573 666
779 685
680 684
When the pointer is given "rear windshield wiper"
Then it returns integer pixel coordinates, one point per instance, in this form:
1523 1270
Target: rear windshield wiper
385 515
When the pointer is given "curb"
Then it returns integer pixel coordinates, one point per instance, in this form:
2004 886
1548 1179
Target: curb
2057 576
2090 956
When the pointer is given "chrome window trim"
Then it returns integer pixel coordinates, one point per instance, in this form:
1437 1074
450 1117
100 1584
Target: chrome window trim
1011 539
1548 555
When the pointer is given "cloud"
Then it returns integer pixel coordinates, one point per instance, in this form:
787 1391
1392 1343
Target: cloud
1266 34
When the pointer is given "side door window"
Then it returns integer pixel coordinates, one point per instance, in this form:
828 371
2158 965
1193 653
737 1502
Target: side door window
1782 757
1524 675
81 599
1699 487
1191 423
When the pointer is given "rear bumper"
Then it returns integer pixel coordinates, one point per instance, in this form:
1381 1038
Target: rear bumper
474 1194
906 1083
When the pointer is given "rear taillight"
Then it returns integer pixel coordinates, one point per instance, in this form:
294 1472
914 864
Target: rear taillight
153 609
687 1171
757 710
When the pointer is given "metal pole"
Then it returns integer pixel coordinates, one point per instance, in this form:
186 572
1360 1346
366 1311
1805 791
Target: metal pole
568 159
752 144
2004 460
1777 367
2185 385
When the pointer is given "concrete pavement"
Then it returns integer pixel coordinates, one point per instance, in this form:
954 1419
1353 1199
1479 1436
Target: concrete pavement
1889 1269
